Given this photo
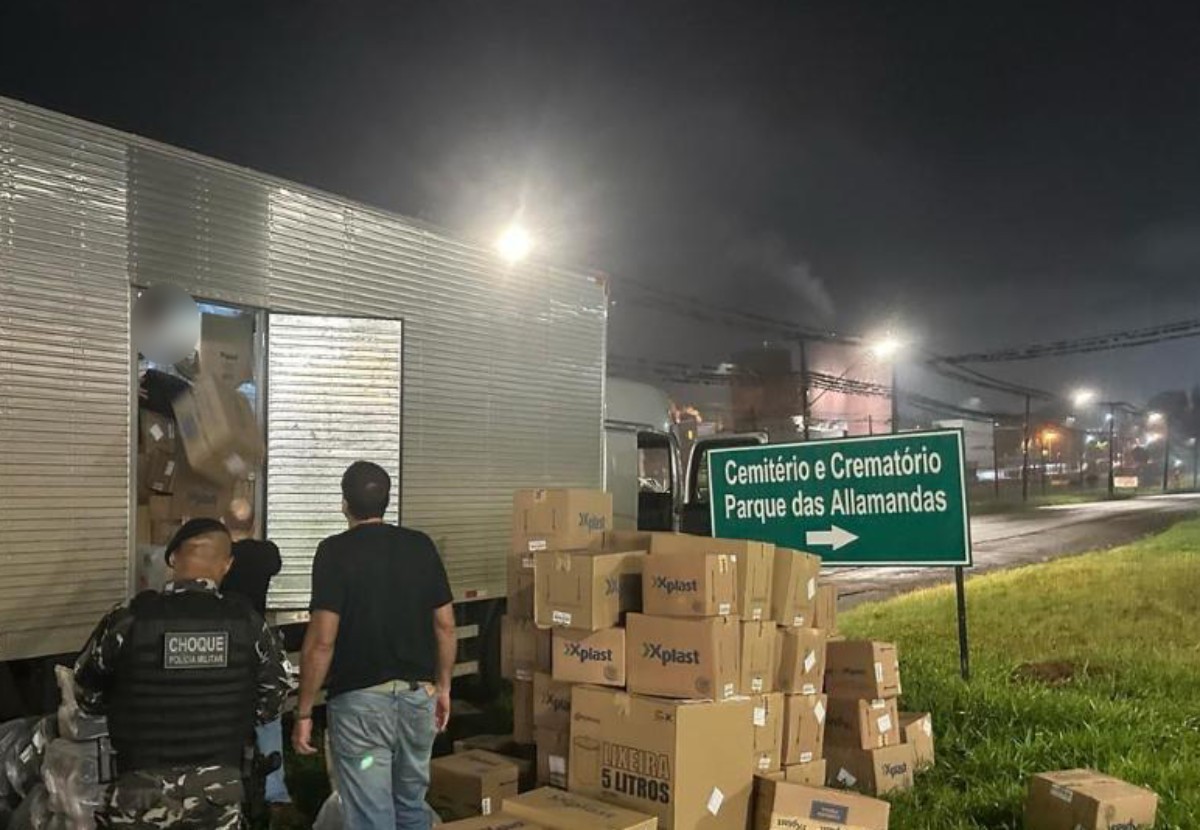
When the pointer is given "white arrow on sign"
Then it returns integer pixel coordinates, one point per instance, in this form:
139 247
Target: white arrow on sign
835 537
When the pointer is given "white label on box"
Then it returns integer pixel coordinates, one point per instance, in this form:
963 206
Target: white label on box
528 562
156 432
845 778
819 712
797 621
812 587
1062 793
558 765
561 618
27 754
536 545
524 674
764 763
885 723
756 685
724 609
878 704
808 689
760 716
879 672
756 614
715 801
169 467
810 660
730 690
485 806
806 757
927 725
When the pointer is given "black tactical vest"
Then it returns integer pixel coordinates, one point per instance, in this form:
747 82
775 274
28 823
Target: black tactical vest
185 684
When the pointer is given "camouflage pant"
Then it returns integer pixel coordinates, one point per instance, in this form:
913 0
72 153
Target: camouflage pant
204 798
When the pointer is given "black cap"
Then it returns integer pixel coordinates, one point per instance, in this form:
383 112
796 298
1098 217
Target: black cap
190 530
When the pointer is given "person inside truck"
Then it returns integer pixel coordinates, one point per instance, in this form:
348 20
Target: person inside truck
183 674
255 562
382 632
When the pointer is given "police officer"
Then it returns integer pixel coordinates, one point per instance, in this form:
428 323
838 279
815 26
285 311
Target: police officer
183 675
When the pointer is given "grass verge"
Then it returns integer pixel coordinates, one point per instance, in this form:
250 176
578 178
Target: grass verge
1124 624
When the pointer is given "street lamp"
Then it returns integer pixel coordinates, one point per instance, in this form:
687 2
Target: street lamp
1083 397
1154 418
888 348
514 244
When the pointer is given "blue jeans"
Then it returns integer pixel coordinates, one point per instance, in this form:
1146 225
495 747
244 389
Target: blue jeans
381 742
270 739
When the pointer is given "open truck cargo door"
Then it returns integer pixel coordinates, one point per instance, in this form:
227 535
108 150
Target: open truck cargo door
697 518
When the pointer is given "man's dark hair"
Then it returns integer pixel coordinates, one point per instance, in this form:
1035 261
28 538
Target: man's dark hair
366 487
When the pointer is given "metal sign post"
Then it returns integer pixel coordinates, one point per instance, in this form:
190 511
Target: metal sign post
895 500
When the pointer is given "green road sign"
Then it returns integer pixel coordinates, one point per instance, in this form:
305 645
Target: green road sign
895 500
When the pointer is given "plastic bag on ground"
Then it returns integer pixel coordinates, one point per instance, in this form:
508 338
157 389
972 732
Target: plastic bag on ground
13 735
72 722
71 772
34 812
23 761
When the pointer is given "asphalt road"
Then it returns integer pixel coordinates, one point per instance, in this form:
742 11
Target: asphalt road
1005 541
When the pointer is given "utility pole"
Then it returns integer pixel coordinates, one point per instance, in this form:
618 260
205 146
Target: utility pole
1195 462
995 464
1166 451
1025 453
1112 448
870 424
895 400
804 407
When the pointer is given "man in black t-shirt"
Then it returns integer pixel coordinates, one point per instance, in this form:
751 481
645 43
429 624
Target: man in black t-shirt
382 636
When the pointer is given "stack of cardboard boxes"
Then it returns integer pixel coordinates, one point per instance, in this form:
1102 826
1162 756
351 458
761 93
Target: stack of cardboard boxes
666 674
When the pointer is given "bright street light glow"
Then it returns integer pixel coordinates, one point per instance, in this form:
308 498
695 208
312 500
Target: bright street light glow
886 347
1083 397
1151 437
514 244
1154 418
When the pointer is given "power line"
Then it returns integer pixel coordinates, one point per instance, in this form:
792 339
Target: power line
1126 339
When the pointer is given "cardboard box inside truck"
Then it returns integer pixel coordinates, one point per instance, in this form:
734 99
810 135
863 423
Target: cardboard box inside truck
870 771
916 728
472 783
227 348
685 762
496 821
158 454
794 588
755 566
680 657
557 810
862 668
196 497
549 520
782 805
862 723
1083 799
587 590
689 585
522 704
524 649
767 719
589 656
758 660
804 719
219 433
802 656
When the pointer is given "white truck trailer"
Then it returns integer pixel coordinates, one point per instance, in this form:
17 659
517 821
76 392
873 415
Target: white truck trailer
375 336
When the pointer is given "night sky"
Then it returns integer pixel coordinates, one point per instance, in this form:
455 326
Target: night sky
974 179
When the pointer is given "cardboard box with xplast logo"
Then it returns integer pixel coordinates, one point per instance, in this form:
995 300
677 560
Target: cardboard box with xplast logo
685 658
689 585
557 810
870 771
862 668
685 762
590 656
862 723
548 520
551 702
1083 799
586 590
755 566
